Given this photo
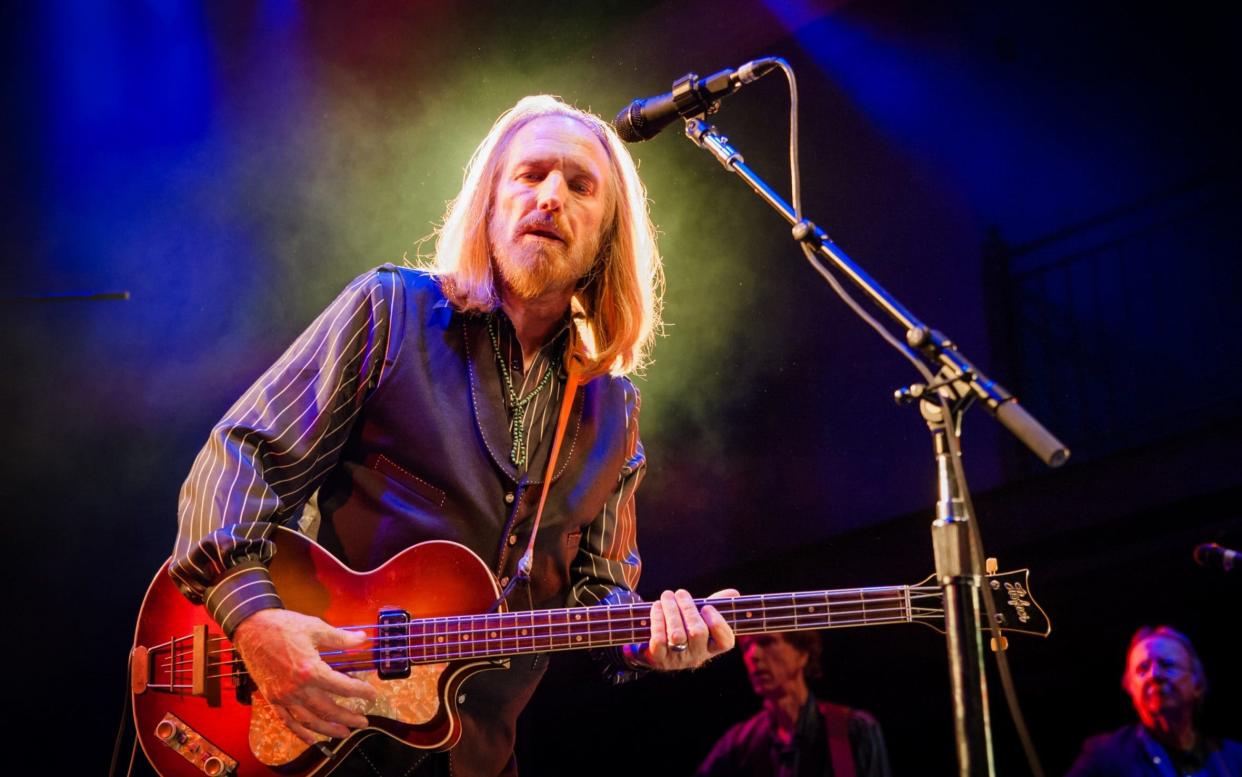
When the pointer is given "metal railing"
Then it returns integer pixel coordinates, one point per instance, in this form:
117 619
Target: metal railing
1127 328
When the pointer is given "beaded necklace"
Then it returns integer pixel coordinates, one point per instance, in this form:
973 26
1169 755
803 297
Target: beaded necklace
518 405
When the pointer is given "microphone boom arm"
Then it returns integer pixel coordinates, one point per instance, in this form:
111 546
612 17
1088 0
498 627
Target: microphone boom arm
942 401
936 349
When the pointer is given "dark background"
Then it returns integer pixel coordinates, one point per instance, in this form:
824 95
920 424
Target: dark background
1054 185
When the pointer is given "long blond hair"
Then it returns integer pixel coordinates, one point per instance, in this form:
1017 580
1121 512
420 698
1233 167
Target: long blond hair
621 296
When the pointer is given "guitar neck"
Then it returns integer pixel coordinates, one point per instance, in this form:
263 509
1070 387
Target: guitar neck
537 631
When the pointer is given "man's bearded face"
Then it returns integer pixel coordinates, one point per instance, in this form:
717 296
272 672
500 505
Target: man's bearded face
549 208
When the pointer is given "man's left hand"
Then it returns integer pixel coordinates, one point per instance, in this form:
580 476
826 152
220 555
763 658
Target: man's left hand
682 635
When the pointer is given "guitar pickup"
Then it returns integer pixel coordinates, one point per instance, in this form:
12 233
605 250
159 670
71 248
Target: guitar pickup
392 648
190 745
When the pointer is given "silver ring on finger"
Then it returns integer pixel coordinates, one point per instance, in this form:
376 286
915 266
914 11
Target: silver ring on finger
679 647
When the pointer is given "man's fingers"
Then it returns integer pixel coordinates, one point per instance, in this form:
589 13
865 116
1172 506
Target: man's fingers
341 638
325 727
719 629
659 635
338 682
303 733
696 629
344 685
674 629
677 620
330 710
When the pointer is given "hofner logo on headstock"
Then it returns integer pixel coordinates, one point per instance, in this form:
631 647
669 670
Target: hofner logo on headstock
1019 600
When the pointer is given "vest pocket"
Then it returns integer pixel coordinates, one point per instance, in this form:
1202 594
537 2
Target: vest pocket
406 479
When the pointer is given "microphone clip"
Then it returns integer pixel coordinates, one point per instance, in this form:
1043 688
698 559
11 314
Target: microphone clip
695 97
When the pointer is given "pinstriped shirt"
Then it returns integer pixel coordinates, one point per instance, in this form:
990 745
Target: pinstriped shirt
281 439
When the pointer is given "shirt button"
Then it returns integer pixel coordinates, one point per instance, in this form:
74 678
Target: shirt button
512 539
509 498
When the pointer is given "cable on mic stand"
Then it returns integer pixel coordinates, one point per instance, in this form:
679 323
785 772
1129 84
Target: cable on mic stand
976 544
957 371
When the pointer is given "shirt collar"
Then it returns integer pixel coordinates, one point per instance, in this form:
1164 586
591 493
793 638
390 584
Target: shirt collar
554 347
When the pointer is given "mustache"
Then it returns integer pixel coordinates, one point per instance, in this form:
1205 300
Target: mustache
541 222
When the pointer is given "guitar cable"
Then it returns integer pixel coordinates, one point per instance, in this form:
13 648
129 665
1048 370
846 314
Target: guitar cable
120 731
959 475
976 564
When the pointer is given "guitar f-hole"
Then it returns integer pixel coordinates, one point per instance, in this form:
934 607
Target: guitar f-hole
392 644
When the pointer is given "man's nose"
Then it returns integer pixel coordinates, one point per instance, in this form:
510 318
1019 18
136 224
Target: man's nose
552 191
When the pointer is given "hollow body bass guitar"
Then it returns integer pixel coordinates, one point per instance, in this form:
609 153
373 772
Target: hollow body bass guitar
197 712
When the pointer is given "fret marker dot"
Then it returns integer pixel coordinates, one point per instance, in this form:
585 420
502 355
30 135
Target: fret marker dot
578 638
749 614
810 609
439 639
523 632
465 637
493 635
642 623
577 617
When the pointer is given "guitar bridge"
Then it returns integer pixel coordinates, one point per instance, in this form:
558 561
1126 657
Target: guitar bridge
392 649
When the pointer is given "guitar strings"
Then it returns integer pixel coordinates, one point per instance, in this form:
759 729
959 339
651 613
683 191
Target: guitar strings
850 595
422 651
419 650
639 611
525 620
365 660
175 663
774 620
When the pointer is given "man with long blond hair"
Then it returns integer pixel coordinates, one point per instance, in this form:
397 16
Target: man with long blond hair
422 405
620 284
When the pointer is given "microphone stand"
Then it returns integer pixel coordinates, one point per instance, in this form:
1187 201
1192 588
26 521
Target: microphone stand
942 403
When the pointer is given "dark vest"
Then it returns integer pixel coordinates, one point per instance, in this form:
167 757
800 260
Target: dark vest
429 459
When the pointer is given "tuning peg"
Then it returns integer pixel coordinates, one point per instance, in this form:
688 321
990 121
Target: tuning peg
997 647
990 565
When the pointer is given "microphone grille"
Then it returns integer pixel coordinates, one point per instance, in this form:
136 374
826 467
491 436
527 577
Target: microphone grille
630 124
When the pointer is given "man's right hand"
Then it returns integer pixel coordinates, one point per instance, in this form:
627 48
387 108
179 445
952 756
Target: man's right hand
281 652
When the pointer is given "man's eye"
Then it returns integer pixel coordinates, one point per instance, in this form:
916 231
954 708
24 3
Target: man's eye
582 187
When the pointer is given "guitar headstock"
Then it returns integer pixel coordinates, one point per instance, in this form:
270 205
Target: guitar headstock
1016 609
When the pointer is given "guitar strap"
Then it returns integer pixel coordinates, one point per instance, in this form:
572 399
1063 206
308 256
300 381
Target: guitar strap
837 721
574 362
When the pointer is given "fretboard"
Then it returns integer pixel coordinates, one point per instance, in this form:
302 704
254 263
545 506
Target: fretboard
497 635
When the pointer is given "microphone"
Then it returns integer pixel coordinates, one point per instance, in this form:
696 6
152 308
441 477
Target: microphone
1209 554
691 96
